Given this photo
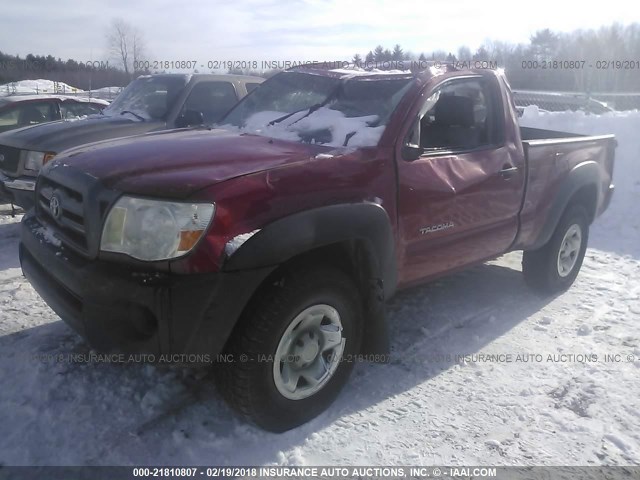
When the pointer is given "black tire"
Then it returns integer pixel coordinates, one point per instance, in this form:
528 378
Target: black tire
541 267
249 382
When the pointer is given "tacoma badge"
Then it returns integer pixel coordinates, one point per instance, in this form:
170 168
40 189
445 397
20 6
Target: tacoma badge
436 228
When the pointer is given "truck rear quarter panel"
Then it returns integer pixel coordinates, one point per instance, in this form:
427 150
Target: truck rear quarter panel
554 166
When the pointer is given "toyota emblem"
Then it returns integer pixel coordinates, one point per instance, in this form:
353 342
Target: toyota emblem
54 207
1 157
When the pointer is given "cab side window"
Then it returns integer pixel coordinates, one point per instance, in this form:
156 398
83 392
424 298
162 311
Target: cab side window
460 115
212 99
32 113
71 110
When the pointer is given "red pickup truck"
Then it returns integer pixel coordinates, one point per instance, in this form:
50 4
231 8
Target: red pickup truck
275 238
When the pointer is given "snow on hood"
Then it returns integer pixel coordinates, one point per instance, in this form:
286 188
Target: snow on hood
337 123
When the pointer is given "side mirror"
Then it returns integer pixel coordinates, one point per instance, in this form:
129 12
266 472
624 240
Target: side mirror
412 152
189 118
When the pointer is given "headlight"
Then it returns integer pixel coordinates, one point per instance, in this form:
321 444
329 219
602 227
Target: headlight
35 160
153 229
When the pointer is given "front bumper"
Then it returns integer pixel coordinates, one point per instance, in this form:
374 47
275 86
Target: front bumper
119 307
19 191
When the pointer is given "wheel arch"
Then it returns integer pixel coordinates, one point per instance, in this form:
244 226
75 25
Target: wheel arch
580 186
356 238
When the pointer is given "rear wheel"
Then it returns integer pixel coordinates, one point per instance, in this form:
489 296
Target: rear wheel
555 266
292 348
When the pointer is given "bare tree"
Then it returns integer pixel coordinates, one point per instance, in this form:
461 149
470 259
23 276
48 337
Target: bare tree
126 45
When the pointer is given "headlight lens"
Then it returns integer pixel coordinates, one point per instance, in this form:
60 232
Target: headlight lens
153 229
35 160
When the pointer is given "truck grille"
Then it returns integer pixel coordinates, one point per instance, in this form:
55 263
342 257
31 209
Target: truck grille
74 204
66 212
9 159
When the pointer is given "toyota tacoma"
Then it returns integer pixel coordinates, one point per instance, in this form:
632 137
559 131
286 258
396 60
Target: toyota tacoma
275 237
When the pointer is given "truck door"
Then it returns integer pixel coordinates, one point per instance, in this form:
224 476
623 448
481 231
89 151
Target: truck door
460 185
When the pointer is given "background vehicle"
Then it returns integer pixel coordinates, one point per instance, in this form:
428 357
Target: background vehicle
26 110
278 239
150 103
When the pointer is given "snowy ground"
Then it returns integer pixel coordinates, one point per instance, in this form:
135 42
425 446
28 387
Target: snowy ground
426 407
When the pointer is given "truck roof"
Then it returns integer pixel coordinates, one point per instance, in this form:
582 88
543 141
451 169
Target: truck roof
350 70
347 73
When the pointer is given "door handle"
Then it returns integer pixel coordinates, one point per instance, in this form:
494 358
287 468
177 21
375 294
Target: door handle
508 171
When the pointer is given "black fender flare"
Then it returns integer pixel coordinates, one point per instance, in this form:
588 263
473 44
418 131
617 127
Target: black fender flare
367 223
586 174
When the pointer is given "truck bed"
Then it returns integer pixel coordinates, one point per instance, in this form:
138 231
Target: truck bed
550 155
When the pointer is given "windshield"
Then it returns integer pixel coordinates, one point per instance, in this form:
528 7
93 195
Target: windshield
149 98
318 109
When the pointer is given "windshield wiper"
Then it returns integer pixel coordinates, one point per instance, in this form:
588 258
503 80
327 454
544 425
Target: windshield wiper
310 109
348 137
140 117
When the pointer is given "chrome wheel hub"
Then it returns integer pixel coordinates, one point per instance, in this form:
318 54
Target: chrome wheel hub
309 352
569 250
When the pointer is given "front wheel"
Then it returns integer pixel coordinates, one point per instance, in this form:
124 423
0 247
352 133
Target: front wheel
292 348
555 266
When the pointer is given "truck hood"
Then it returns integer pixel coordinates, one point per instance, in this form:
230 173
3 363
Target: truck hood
63 134
177 163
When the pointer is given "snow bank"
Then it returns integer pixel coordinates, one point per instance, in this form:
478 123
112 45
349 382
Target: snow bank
39 86
48 87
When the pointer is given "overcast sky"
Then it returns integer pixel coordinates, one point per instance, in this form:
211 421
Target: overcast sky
290 29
